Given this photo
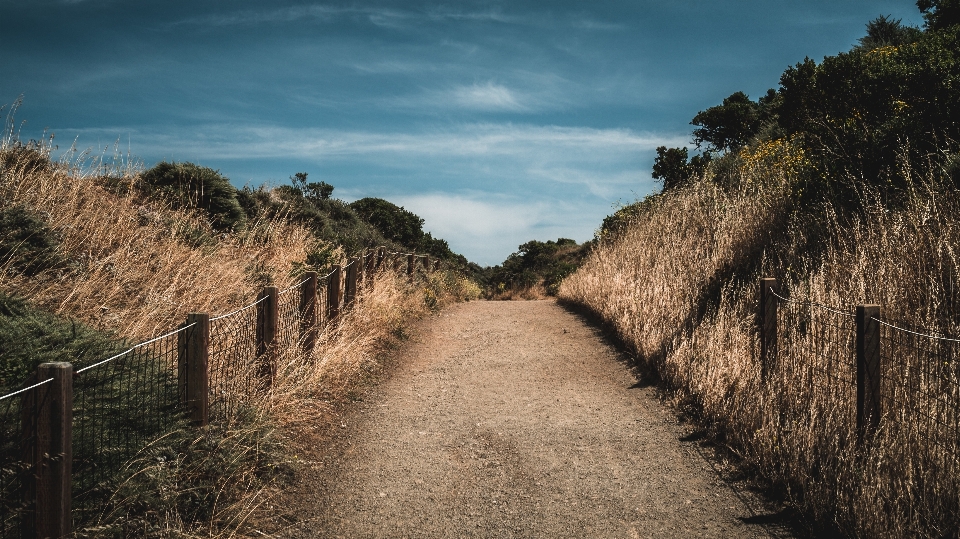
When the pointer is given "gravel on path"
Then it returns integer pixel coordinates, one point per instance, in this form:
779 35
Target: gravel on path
517 419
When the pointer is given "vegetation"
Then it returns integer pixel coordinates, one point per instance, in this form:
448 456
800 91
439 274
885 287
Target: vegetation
841 184
97 257
535 270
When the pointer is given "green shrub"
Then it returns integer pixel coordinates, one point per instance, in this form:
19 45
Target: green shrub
27 244
186 185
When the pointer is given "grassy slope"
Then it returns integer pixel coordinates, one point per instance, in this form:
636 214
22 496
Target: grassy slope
131 269
679 285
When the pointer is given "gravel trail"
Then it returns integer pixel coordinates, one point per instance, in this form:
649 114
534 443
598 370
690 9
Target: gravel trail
516 419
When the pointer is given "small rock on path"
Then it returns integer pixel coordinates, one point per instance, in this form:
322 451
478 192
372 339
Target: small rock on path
516 419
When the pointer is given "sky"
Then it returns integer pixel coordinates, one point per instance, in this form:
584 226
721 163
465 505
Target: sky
496 122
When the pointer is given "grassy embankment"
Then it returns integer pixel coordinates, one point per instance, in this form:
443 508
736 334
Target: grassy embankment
679 284
86 261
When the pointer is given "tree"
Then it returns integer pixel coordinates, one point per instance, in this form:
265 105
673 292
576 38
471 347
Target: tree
392 221
885 31
729 126
313 191
940 14
857 115
672 168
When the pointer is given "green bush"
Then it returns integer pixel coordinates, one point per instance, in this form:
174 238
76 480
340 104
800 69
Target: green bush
27 244
186 185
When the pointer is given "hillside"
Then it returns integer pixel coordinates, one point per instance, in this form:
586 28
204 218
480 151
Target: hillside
841 185
95 257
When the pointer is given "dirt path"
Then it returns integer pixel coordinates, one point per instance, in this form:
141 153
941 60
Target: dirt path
515 419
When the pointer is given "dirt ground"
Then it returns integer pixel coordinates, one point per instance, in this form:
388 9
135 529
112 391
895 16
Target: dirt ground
516 419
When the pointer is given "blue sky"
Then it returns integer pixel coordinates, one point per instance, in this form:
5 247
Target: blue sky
497 122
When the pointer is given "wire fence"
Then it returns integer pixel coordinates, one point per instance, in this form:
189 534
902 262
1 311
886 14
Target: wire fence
126 401
233 355
816 355
872 390
920 392
121 405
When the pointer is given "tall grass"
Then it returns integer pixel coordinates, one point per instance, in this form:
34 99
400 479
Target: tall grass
680 284
135 269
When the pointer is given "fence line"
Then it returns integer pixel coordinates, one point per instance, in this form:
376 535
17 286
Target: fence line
210 369
872 386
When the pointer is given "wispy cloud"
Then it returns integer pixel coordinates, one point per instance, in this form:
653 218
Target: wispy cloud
487 97
247 17
396 18
222 141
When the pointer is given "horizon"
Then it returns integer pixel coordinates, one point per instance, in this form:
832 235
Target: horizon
498 123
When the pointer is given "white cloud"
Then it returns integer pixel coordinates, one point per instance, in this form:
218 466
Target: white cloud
488 97
546 143
487 227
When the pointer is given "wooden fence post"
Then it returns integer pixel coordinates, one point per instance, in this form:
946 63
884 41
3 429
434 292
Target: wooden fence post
768 325
868 371
193 374
381 256
410 259
308 312
333 293
426 263
48 419
267 326
350 290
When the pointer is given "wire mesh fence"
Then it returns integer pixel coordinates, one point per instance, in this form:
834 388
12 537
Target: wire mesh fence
121 405
920 394
128 400
232 362
14 466
815 375
288 318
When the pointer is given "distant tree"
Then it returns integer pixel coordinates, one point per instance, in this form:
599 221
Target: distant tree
538 262
394 222
885 31
313 190
729 126
940 14
672 168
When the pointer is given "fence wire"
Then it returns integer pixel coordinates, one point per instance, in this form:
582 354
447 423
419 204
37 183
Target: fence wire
288 320
815 373
232 362
127 402
120 406
920 391
13 465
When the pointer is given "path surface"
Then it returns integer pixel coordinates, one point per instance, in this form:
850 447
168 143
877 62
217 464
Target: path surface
515 419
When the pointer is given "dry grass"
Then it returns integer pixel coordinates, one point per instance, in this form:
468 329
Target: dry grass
137 269
680 287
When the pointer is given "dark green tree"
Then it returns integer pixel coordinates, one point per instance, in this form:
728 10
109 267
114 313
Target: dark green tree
940 14
858 113
729 126
672 168
885 31
314 191
393 222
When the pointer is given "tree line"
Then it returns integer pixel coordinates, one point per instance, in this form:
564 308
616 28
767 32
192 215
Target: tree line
856 117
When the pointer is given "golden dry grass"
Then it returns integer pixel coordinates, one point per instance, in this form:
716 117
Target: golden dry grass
137 269
680 286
